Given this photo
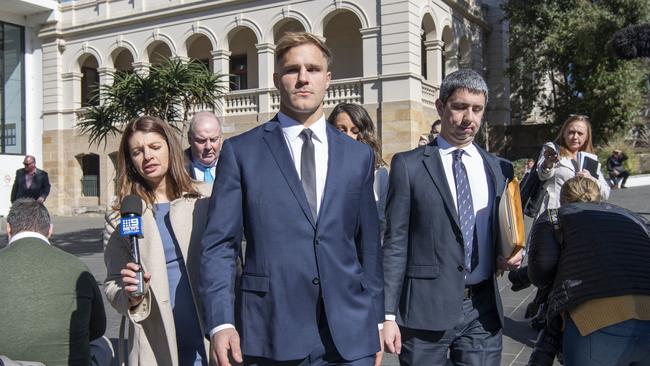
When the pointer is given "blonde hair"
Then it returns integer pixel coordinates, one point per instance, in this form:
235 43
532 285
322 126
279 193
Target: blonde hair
587 146
294 39
131 182
580 189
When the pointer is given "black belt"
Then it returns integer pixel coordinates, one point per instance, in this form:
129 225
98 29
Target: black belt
471 290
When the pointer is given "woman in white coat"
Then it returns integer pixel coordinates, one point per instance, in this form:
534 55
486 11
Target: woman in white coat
556 167
166 325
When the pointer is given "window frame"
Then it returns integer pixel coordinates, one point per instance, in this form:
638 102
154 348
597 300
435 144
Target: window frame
23 126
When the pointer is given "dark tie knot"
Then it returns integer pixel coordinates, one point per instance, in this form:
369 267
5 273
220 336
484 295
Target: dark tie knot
458 154
307 134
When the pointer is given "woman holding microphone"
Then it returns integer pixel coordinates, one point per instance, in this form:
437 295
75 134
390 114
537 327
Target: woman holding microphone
165 323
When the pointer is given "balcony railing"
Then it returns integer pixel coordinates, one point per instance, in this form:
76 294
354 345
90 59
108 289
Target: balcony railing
246 101
241 102
429 94
344 91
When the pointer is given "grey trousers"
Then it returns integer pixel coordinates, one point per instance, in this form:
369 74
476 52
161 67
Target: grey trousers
476 340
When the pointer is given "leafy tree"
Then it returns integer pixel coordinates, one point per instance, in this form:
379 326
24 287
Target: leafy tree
561 61
170 90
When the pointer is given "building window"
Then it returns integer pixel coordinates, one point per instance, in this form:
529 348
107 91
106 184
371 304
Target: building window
90 179
12 91
238 70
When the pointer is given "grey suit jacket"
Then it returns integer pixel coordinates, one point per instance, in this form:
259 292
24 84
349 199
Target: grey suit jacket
423 244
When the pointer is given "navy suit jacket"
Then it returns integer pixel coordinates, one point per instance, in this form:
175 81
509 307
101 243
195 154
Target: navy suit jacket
423 245
291 261
40 185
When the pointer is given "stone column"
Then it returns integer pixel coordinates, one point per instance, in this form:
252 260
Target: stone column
71 90
105 79
141 68
370 41
451 60
266 66
433 52
220 61
221 65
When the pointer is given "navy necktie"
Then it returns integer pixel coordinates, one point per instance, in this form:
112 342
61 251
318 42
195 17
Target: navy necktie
308 170
465 209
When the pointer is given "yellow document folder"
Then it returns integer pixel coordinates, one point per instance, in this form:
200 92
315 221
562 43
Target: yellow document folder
512 236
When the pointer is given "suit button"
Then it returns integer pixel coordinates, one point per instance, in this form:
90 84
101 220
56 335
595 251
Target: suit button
316 281
460 268
316 241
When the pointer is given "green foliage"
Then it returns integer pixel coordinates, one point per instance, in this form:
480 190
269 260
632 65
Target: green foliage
170 90
519 167
561 61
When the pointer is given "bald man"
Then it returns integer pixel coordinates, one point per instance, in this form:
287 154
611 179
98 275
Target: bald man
205 141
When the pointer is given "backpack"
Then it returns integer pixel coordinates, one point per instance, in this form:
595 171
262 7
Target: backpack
532 190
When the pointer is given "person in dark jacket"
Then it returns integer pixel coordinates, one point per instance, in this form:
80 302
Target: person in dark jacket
617 172
594 255
30 182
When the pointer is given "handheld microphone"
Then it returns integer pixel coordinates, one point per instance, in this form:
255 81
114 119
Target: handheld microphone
131 227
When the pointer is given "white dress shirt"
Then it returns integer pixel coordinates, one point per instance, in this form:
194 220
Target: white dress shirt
199 170
291 130
28 234
482 200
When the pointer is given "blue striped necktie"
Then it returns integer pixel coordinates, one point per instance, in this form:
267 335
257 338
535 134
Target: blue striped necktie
465 209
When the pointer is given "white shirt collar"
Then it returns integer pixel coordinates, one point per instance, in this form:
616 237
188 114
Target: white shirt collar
201 167
293 128
446 148
28 234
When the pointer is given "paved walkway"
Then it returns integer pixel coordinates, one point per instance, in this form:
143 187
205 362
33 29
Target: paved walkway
81 236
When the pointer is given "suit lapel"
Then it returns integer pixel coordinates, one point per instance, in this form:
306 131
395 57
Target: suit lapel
274 139
433 164
334 164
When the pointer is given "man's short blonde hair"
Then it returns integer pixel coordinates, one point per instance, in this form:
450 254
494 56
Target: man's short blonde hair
580 189
294 39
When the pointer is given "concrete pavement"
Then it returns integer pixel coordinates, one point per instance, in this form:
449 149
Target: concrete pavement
81 236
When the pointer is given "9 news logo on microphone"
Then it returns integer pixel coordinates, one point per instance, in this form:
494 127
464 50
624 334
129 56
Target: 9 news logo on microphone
131 226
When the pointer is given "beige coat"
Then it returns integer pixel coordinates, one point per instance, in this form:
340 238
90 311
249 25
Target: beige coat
152 335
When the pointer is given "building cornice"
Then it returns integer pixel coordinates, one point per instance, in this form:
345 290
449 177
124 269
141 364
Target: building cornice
129 19
469 14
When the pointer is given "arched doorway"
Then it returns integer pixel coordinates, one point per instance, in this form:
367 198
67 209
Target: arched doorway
243 59
199 48
343 38
158 52
89 80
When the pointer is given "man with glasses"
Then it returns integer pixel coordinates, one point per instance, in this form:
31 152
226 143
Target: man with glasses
30 182
205 141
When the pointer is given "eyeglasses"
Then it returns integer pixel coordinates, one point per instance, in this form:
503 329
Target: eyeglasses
28 164
579 116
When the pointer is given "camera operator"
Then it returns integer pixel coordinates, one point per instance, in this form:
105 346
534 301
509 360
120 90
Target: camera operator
594 255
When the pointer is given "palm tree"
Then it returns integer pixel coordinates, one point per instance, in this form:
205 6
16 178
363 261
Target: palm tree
170 90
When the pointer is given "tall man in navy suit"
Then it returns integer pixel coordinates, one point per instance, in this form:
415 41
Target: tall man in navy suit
440 244
301 192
